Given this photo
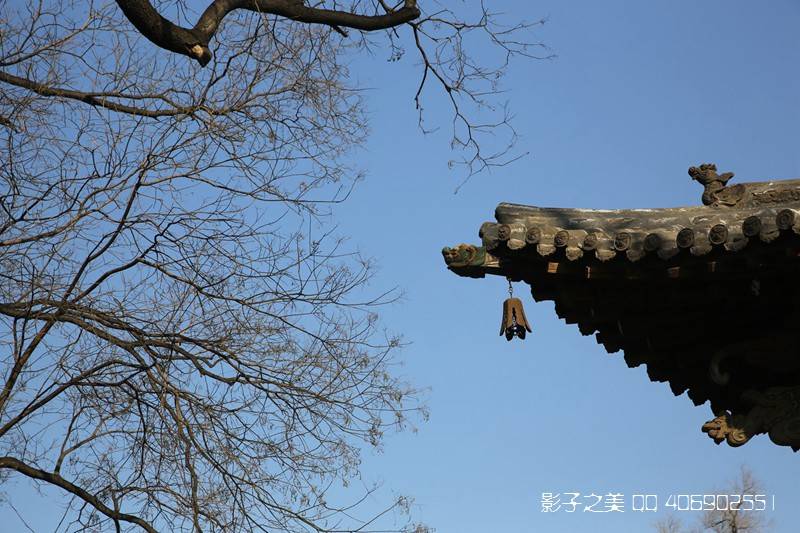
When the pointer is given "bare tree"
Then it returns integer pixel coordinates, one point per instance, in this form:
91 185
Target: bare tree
186 344
669 524
737 515
739 519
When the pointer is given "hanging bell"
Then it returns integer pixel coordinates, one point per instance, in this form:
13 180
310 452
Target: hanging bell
514 322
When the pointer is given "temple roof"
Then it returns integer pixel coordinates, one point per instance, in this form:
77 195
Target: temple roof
705 296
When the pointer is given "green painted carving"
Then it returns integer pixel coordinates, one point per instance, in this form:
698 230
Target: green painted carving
464 255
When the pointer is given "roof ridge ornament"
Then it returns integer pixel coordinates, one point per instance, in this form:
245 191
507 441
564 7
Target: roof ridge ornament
716 192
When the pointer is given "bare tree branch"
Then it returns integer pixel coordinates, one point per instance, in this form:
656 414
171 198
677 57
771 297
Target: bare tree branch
55 479
193 42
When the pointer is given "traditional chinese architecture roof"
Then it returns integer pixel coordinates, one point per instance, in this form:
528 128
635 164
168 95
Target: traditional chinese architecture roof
705 296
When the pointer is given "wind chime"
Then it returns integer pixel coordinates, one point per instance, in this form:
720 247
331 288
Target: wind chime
514 322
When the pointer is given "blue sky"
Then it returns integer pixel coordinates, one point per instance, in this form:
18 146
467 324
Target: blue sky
639 92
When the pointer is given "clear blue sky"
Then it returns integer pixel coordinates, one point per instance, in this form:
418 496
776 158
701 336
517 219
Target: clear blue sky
639 92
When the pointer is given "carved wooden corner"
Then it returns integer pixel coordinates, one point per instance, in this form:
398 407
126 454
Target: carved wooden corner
776 412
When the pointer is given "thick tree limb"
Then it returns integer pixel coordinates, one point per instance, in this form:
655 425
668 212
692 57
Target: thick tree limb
55 479
193 42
